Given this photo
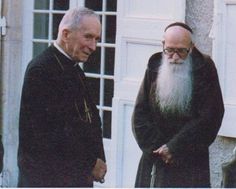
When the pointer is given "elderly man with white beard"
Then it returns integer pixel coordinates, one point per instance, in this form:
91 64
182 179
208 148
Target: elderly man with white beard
177 114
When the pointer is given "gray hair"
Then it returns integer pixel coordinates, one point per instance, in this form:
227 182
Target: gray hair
73 17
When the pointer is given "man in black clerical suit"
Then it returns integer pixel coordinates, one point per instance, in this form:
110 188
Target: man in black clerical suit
60 136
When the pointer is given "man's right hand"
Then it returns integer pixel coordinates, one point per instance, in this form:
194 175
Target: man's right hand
99 171
164 153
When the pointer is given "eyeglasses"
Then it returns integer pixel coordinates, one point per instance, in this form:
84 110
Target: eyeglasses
182 52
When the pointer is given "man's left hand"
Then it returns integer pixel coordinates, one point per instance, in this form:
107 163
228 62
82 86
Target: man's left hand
99 171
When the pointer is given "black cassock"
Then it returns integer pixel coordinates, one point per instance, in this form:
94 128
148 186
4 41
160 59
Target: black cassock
60 134
188 137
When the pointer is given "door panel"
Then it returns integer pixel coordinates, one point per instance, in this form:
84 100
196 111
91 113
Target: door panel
224 55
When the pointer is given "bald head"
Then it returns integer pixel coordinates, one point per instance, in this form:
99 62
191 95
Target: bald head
178 37
177 43
183 25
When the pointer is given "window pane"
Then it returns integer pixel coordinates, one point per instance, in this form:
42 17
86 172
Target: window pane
56 21
110 29
41 4
109 61
94 4
111 5
93 63
106 124
41 26
108 92
38 48
61 4
94 88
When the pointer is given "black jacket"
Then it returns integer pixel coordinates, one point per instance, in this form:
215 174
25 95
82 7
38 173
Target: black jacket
58 146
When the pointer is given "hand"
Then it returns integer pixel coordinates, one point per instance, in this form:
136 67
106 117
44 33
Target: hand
164 153
99 170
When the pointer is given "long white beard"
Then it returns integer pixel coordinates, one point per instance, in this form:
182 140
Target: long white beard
174 86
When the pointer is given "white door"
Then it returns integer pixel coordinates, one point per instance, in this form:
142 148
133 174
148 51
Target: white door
140 26
224 55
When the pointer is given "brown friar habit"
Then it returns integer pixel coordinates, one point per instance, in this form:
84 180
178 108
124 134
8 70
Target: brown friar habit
59 140
188 137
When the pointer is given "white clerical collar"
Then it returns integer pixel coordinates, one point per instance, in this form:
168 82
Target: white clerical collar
61 50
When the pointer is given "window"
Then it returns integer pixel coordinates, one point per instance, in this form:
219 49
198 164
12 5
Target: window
46 17
100 67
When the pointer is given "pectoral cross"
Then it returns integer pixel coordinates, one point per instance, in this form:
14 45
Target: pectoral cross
87 112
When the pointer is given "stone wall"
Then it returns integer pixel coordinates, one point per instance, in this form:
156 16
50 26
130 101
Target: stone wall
199 15
11 69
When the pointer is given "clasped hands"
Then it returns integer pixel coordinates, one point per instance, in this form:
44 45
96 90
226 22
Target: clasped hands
99 171
100 168
164 153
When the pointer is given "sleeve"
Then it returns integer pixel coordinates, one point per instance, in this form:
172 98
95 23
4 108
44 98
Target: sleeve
197 134
96 135
145 130
95 147
96 141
